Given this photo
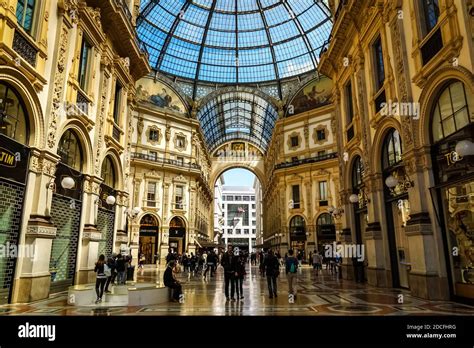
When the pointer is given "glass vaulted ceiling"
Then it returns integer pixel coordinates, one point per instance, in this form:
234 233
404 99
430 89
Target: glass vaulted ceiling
234 41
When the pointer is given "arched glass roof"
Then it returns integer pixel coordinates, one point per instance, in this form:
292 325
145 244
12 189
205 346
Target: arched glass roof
237 116
234 41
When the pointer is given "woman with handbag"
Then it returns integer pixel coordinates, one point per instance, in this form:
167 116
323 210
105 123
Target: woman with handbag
101 277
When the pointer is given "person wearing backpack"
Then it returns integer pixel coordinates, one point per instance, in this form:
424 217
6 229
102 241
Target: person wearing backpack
291 272
101 278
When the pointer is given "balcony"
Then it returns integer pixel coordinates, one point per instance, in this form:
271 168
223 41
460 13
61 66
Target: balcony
23 46
165 161
306 161
118 23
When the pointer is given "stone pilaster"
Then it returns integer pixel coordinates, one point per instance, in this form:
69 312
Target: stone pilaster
376 272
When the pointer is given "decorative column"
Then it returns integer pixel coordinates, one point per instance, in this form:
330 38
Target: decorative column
90 236
33 278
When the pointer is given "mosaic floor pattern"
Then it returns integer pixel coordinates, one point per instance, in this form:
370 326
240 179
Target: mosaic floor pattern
317 295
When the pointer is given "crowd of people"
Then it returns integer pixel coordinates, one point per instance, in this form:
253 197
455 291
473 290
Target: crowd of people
234 262
107 271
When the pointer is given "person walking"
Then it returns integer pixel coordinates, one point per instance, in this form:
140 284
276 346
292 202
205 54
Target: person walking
170 281
240 275
101 277
211 262
121 270
111 277
291 268
317 262
272 270
228 272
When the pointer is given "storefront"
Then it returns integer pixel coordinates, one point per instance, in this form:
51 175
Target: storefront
397 208
326 231
452 135
106 209
66 207
298 235
177 236
148 243
14 159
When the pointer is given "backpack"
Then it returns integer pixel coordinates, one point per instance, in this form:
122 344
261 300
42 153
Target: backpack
107 270
293 266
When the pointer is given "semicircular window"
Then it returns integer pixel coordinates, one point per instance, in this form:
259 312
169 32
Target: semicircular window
13 117
108 172
70 150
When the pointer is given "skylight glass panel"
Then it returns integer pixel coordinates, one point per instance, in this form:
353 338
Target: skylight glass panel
221 21
284 31
277 15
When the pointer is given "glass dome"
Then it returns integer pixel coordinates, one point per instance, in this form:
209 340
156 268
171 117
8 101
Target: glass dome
234 41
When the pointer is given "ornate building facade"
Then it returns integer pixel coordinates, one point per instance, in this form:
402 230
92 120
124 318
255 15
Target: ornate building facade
67 83
403 99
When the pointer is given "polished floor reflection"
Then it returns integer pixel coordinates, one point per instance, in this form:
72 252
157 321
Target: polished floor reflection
317 295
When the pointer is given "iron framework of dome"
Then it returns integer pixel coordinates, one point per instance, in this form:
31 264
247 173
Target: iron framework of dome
234 42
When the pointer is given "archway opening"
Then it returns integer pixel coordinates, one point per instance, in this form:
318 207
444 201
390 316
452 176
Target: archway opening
238 210
298 236
177 235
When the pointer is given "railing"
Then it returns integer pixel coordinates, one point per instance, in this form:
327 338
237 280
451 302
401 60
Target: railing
24 48
121 4
306 161
153 158
82 102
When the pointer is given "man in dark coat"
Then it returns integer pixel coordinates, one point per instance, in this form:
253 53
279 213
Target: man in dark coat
171 282
229 270
272 270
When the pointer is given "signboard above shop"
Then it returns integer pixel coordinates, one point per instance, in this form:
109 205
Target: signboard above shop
14 158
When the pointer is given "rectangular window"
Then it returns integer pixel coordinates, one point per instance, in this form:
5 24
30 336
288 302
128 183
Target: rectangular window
379 64
229 231
238 198
154 135
223 206
117 102
253 231
84 61
323 191
151 194
296 196
246 198
253 206
321 134
254 214
178 197
294 141
350 103
230 198
246 231
252 198
254 223
25 13
238 231
430 15
180 142
180 160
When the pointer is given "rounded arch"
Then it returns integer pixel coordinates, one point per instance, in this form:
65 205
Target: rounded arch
84 140
378 144
152 215
24 88
179 217
155 215
438 80
323 215
115 157
187 102
348 168
255 170
292 217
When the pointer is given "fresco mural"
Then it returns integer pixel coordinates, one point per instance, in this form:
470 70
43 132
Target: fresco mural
159 94
316 94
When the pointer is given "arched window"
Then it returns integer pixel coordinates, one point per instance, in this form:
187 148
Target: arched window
108 172
392 149
297 222
325 219
176 222
13 117
452 111
148 220
70 150
357 172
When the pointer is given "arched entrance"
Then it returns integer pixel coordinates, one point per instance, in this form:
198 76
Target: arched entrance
106 212
66 207
326 230
177 235
148 242
298 235
14 159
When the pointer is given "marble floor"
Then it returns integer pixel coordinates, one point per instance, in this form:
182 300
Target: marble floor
317 295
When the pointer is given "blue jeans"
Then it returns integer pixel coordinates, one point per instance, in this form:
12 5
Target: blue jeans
122 277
